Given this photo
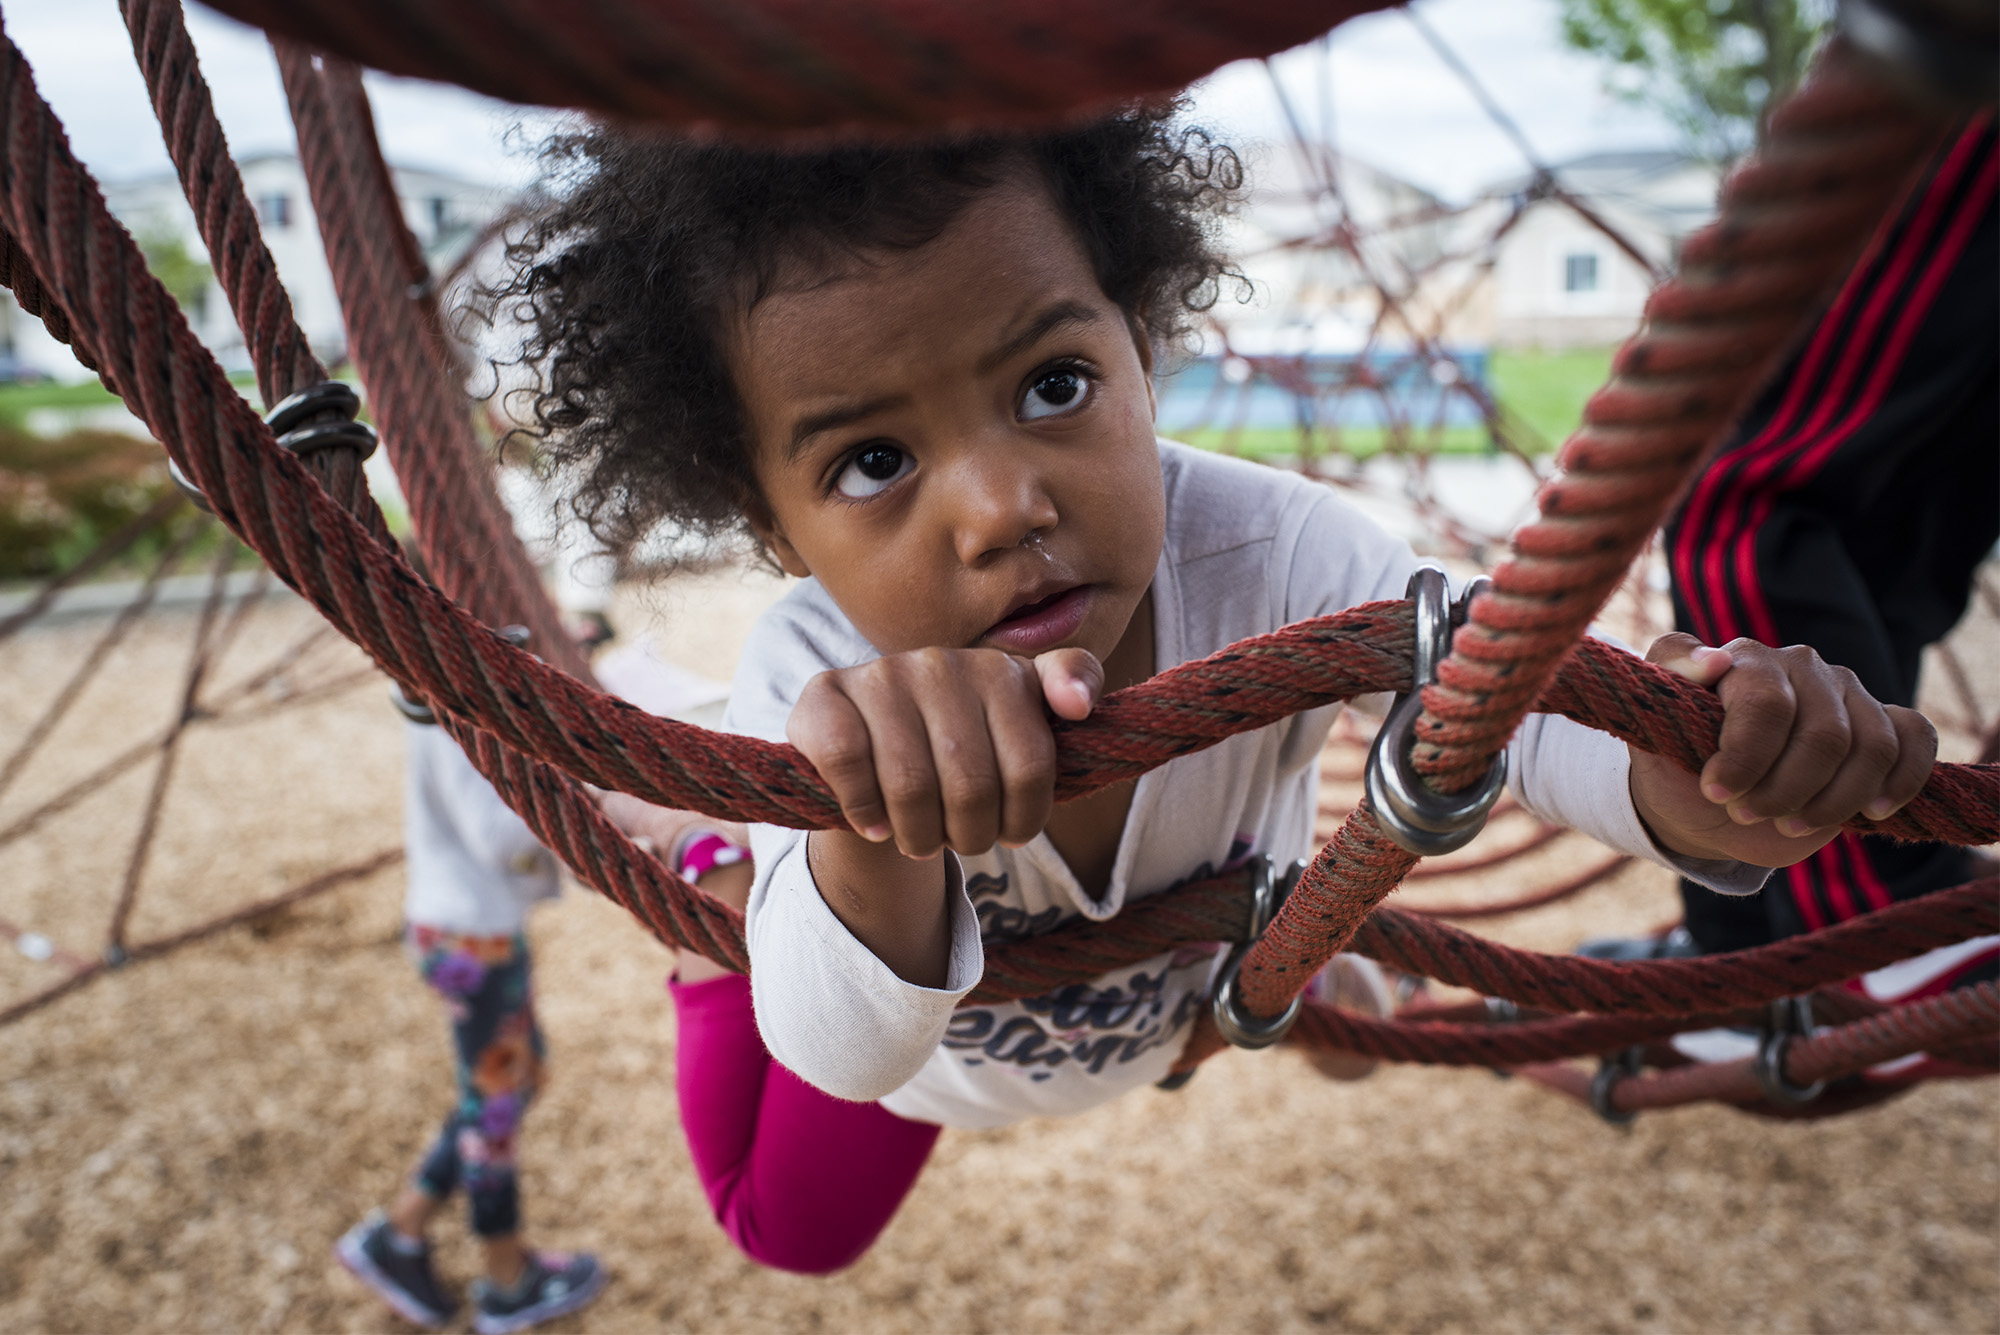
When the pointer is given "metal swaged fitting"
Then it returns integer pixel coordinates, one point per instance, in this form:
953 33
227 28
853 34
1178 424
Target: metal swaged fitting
1416 816
1235 1021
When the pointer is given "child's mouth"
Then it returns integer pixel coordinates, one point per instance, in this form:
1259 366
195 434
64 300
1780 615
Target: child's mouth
1041 625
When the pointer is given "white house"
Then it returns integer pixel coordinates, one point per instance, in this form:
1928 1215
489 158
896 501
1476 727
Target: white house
1318 231
444 212
1560 282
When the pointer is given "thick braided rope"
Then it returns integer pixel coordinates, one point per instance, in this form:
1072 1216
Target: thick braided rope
1433 1043
1935 1024
434 647
279 353
1217 910
1668 715
1836 156
463 529
572 827
372 596
768 65
96 275
1080 951
1963 1016
32 297
285 363
1572 983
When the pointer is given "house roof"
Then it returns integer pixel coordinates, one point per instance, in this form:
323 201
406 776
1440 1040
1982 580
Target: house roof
279 155
1675 190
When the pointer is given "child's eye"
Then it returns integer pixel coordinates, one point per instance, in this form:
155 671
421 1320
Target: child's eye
1057 391
871 471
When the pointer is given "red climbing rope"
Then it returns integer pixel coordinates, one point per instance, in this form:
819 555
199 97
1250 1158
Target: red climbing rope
1835 158
415 393
1933 1024
767 65
1790 221
1216 910
1664 987
242 264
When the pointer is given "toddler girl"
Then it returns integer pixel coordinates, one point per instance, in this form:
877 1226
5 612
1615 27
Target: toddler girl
475 872
920 377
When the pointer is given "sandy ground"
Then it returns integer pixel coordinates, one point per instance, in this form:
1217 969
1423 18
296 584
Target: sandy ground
181 1142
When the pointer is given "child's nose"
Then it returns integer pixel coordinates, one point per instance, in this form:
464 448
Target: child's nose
995 509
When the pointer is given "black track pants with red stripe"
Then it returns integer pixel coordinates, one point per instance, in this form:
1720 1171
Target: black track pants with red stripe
1851 508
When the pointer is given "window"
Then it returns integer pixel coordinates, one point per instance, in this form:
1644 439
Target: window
274 210
1579 273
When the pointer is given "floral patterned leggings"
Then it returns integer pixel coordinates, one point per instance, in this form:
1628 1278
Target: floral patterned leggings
485 985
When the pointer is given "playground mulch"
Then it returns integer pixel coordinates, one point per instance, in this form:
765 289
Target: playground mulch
181 1142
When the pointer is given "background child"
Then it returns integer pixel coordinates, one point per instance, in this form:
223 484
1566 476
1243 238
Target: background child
921 378
1851 507
474 872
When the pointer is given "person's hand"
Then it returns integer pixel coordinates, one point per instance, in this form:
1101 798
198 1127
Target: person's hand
1804 748
926 750
657 829
944 748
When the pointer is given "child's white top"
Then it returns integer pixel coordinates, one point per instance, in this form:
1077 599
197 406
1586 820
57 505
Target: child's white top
473 865
1248 549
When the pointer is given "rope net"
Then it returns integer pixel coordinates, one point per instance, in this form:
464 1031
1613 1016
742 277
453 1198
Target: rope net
231 682
1836 159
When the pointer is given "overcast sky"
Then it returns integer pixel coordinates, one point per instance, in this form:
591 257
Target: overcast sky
1394 103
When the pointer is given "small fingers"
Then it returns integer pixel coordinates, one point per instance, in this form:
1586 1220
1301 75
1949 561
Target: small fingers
1759 708
1872 747
1684 654
1818 746
829 730
1072 682
967 779
912 735
1916 754
1025 749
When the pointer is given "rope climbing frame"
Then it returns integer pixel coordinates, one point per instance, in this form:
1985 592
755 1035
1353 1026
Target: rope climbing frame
1836 158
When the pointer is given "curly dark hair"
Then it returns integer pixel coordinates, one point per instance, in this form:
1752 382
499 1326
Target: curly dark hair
643 246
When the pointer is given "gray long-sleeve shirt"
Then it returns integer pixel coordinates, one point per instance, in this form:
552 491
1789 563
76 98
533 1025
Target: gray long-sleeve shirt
1248 549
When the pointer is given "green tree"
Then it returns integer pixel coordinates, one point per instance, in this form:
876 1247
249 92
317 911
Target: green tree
185 277
1712 66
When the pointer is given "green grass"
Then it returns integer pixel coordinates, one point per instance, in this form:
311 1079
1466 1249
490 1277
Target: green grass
1547 390
17 401
1543 391
1360 442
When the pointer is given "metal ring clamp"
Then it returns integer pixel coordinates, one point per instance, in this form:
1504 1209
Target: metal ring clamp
188 488
287 420
357 436
1790 1017
416 711
1235 1022
294 409
1610 1070
1416 816
290 420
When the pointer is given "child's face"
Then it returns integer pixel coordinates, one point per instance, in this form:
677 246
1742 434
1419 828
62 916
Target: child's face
958 439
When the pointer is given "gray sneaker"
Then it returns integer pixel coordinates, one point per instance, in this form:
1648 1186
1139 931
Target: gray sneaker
402 1279
552 1284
